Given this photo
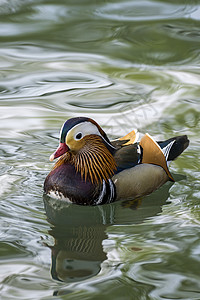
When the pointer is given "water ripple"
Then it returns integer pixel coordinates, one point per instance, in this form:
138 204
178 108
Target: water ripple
134 11
125 64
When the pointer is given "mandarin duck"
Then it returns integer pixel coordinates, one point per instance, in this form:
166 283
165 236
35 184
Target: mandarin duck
92 170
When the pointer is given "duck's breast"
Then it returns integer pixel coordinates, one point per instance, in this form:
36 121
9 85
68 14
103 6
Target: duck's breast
66 183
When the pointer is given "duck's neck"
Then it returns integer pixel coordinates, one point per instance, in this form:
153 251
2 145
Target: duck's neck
95 162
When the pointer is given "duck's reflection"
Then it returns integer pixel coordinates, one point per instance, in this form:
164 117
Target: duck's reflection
79 231
77 253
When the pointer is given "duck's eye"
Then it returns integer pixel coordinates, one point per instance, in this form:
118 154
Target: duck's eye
79 136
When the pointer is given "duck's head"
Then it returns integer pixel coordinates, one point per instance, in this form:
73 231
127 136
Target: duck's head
86 140
76 133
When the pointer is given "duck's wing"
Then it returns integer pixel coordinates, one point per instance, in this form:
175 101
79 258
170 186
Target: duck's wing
153 154
147 151
132 138
150 165
128 139
127 157
143 169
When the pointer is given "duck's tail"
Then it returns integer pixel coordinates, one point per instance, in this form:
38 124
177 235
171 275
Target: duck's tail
173 147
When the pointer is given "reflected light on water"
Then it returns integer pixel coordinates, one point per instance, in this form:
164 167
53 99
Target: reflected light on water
126 64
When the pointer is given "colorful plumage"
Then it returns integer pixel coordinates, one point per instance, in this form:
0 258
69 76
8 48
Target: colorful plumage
92 170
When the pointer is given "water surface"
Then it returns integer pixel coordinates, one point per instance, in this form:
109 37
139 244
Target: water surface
126 64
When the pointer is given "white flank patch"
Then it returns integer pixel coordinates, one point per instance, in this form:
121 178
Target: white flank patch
57 195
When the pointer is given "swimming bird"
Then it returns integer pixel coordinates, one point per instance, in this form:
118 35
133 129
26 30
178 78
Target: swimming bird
92 170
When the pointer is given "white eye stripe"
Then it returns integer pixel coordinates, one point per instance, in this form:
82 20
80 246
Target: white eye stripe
85 128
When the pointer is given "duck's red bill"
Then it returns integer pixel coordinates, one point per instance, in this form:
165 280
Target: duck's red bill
62 148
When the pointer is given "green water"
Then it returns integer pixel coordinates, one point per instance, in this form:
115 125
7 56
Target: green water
126 64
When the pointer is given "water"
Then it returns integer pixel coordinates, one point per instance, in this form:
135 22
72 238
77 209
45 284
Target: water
126 64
